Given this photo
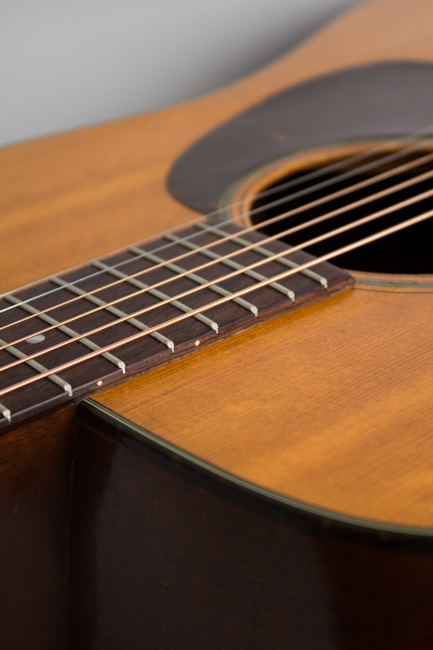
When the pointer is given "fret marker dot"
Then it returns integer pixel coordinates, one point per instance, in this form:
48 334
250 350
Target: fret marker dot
197 343
99 383
36 339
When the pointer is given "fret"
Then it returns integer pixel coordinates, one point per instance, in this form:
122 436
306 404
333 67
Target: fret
194 277
264 252
155 292
6 413
38 367
113 310
27 391
66 330
230 263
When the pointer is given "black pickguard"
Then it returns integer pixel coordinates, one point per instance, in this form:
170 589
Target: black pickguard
382 100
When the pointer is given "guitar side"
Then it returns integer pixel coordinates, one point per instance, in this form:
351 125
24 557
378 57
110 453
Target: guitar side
78 181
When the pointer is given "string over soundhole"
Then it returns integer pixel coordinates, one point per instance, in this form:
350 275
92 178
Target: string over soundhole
372 186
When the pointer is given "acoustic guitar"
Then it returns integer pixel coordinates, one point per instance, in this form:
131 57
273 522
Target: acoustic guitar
220 435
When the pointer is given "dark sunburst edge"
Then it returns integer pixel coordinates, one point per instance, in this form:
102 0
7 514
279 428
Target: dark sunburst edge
266 502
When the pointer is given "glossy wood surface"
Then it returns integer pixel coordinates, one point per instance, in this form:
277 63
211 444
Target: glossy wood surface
218 572
331 405
35 490
372 386
140 354
59 193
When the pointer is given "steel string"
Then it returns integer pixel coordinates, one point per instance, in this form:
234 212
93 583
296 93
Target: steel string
348 190
322 171
222 240
280 276
310 242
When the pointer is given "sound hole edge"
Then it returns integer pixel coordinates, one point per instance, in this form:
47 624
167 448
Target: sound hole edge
404 258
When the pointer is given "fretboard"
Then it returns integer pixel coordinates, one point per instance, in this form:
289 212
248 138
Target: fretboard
148 305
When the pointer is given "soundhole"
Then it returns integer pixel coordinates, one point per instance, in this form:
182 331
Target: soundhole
408 251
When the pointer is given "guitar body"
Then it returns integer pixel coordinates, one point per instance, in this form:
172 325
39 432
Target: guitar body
272 490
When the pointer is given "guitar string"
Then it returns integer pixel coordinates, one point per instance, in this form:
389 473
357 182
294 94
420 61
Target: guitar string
214 243
269 191
324 170
350 189
321 171
362 242
310 242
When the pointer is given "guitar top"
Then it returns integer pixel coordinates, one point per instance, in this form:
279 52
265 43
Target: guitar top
323 407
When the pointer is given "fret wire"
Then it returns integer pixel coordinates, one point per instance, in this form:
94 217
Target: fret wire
265 253
5 412
194 277
115 311
67 330
400 153
292 250
231 264
158 294
327 216
361 242
310 242
38 367
314 221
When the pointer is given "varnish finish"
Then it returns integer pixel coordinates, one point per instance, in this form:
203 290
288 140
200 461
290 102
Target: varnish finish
222 572
354 104
82 307
331 405
35 491
67 188
272 406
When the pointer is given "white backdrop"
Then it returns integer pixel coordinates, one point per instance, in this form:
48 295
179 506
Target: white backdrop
70 63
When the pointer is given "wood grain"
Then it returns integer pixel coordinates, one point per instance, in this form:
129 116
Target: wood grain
331 405
274 405
58 194
142 353
219 572
66 188
35 486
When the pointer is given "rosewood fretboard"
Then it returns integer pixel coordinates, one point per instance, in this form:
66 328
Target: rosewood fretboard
159 347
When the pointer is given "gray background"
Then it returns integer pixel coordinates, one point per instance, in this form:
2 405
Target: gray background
71 63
